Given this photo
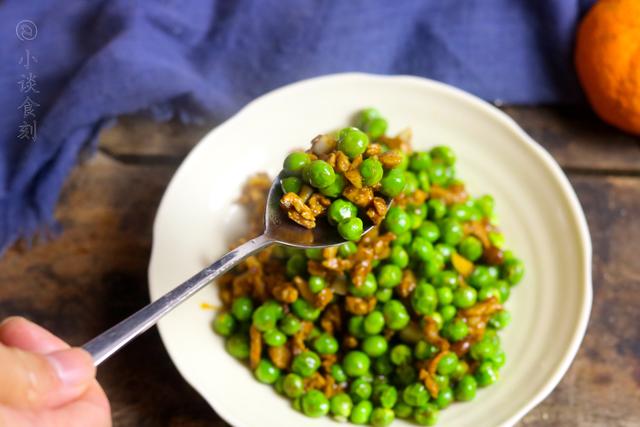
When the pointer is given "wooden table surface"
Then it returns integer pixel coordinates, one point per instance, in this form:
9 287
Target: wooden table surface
95 273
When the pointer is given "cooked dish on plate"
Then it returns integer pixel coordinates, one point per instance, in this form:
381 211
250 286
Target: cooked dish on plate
402 321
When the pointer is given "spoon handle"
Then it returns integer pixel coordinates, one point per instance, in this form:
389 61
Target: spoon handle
110 341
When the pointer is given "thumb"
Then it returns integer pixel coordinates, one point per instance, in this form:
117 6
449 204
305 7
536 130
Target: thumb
30 380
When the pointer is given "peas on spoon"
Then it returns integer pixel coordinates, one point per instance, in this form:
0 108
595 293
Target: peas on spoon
279 229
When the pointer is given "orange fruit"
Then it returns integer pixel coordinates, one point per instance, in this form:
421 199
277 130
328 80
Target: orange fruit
607 58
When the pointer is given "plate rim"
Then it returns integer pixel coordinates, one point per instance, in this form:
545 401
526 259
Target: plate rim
576 213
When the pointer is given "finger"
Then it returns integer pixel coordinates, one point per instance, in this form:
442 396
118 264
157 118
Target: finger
21 333
30 380
90 409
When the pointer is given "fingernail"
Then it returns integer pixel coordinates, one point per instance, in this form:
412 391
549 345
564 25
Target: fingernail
72 366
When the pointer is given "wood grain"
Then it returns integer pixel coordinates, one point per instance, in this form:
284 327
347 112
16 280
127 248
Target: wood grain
94 273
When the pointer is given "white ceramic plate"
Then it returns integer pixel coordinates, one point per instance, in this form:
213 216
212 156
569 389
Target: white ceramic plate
540 215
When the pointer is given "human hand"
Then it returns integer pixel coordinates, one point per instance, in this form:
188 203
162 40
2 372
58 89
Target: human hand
46 383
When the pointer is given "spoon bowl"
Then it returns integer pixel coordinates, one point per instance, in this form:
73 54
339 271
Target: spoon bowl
279 229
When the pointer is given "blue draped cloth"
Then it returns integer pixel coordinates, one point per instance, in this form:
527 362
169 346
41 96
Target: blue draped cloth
70 67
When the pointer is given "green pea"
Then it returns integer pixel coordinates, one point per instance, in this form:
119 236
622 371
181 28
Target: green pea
424 299
265 318
314 253
371 171
471 248
347 249
513 271
462 368
445 398
500 320
504 290
335 188
397 220
341 209
352 142
433 265
389 275
411 183
488 292
290 324
295 162
445 296
403 239
341 405
402 410
421 249
382 365
486 205
224 324
415 395
420 160
451 231
316 284
373 323
361 412
456 330
483 349
237 345
486 374
314 404
278 385
498 359
426 415
296 266
460 211
274 338
360 390
437 209
399 256
366 289
446 278
366 115
401 354
375 345
447 364
376 128
395 315
305 310
325 344
424 350
443 154
351 229
384 295
266 372
465 297
338 374
480 277
356 363
305 364
321 174
386 395
293 385
466 388
423 180
382 417
392 183
429 231
405 375
291 184
445 250
438 175
448 312
356 326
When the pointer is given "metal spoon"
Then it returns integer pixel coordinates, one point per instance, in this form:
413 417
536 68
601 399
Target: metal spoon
279 229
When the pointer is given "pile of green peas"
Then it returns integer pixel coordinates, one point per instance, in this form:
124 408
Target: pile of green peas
379 378
299 169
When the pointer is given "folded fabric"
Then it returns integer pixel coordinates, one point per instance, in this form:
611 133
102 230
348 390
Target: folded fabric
72 66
